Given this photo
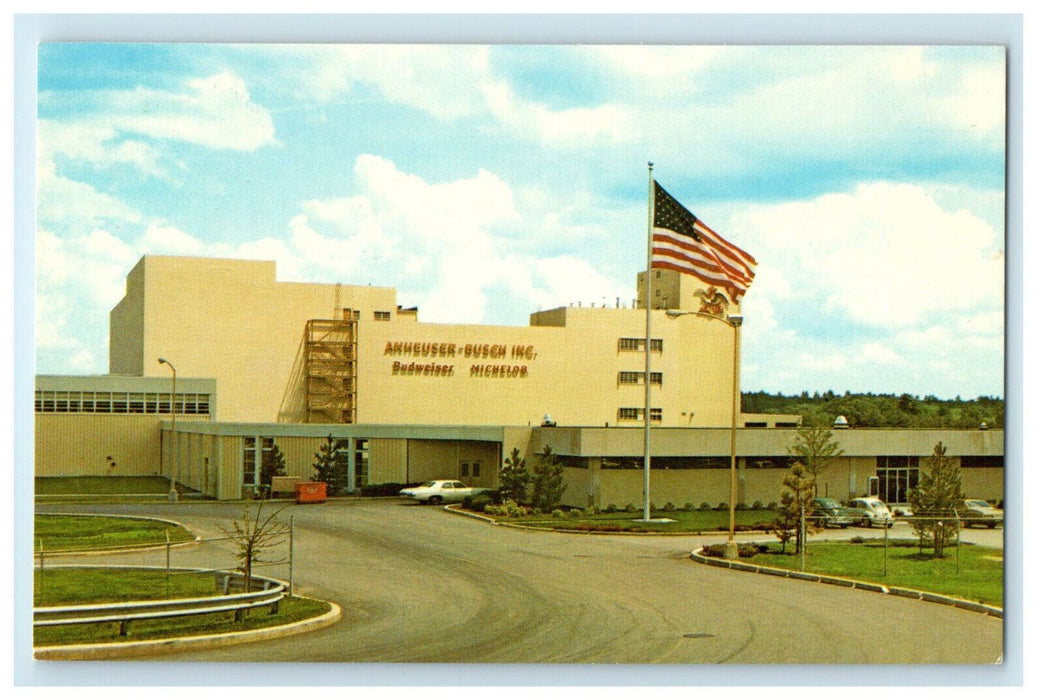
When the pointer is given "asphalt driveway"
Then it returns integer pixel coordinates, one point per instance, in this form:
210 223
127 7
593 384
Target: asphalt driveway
421 585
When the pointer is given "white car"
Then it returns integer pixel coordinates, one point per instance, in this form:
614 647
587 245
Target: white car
869 511
441 491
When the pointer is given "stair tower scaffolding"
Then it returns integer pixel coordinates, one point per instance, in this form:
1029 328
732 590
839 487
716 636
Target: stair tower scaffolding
330 369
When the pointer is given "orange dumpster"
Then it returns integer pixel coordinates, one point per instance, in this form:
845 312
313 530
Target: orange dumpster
310 491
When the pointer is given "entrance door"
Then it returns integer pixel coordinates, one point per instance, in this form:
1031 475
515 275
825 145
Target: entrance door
896 483
362 462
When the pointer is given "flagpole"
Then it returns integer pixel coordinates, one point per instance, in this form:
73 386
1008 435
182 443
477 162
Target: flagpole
648 333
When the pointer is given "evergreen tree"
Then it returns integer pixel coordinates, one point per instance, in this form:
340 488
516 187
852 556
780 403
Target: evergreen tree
548 483
797 494
329 469
814 449
514 479
273 463
933 502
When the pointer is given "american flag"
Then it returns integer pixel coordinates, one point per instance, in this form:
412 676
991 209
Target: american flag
684 243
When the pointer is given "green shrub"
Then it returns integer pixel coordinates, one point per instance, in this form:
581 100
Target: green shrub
688 507
705 506
745 550
591 510
387 489
557 513
668 507
575 513
756 505
611 508
771 505
631 508
477 502
742 506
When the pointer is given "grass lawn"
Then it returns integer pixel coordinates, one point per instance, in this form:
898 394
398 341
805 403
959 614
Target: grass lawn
79 586
65 532
79 485
980 577
684 521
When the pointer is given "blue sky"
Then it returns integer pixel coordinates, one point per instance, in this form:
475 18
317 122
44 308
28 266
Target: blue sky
487 182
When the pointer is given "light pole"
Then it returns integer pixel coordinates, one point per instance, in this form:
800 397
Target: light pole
731 549
172 495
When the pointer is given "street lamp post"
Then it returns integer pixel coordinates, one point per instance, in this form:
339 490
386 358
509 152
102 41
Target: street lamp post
172 495
731 549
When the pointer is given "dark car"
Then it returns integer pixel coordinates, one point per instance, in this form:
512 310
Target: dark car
828 512
977 512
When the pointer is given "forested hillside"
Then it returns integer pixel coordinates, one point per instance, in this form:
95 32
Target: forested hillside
881 410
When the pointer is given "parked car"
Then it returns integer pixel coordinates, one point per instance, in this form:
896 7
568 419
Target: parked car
902 510
978 512
441 490
828 512
870 511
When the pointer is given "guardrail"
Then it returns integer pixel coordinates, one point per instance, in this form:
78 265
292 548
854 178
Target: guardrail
270 595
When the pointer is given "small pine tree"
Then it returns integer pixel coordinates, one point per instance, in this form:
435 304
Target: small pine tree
938 492
548 482
328 468
815 449
797 493
273 463
514 479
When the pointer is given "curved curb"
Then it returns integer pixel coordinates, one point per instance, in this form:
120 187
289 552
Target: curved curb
117 650
452 508
850 583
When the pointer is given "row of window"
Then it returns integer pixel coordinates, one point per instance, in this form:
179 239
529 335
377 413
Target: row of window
628 413
254 454
638 345
120 402
655 378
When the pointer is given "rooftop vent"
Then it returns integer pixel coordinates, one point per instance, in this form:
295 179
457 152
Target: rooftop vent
840 423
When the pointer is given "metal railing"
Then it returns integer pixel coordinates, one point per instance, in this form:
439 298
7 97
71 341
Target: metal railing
124 613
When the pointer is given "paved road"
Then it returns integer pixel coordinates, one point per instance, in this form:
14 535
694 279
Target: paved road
421 585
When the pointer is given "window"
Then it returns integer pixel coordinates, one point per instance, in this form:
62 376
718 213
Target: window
976 462
655 414
638 345
469 469
119 402
655 378
382 315
463 469
249 460
768 462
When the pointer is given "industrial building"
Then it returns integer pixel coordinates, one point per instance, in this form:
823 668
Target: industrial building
250 362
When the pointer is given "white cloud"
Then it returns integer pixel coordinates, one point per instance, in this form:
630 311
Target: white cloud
215 112
93 143
60 200
886 254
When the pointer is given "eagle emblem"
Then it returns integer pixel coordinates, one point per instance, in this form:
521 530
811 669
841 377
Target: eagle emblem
712 301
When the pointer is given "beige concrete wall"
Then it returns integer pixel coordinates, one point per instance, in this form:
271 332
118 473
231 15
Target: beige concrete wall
981 482
569 372
71 444
440 459
231 320
387 461
127 327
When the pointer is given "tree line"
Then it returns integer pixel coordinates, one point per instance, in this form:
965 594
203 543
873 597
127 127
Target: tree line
881 410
